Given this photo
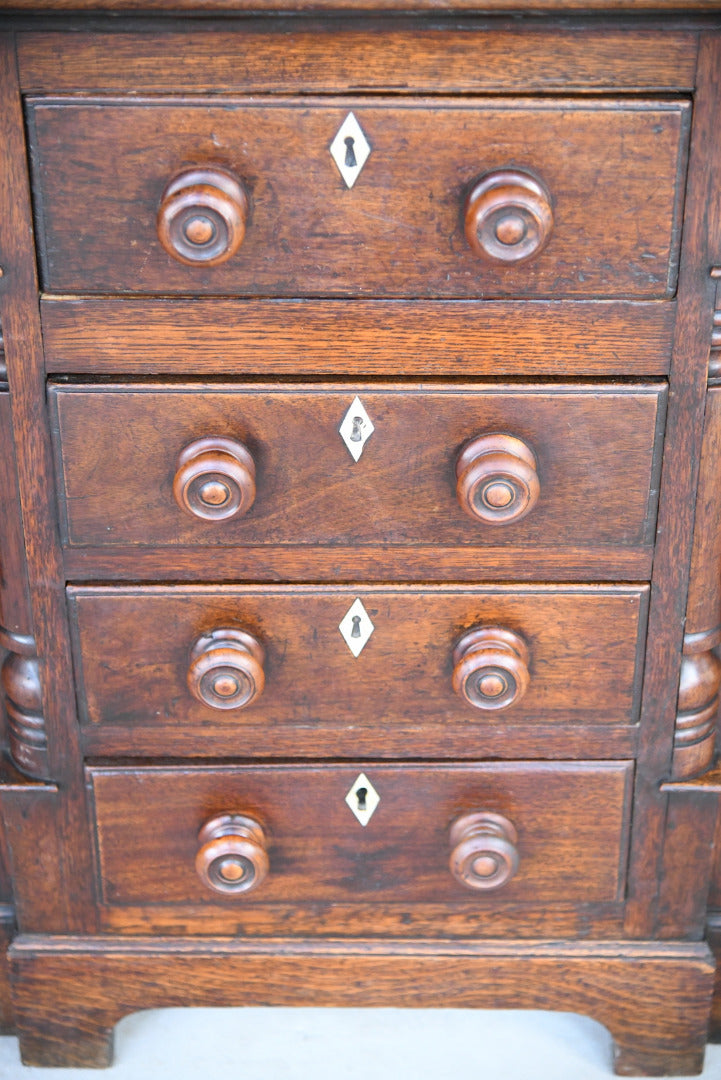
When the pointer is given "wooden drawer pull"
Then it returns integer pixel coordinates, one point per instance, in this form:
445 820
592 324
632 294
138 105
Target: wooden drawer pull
484 854
215 479
226 669
490 667
232 858
202 216
497 479
508 216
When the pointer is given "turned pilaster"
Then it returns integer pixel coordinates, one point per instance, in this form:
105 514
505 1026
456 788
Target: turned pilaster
20 670
700 681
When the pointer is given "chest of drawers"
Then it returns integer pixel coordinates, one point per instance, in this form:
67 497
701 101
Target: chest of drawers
361 558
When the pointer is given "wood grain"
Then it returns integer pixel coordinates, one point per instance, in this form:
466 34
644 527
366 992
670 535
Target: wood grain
66 904
133 648
7 931
119 445
653 998
337 55
383 562
457 338
319 852
611 169
702 250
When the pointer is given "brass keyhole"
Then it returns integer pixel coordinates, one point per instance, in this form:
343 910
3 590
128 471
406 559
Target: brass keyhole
357 433
350 152
356 631
361 794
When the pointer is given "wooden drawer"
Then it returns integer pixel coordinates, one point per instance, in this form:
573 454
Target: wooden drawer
567 843
591 209
162 670
579 468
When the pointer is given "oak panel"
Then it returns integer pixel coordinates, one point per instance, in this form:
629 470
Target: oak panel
596 450
611 169
319 852
333 55
457 338
133 654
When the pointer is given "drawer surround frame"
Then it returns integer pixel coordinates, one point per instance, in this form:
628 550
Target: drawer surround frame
59 815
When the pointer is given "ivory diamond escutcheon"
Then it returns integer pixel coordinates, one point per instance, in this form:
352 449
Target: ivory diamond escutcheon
356 428
356 627
363 799
350 150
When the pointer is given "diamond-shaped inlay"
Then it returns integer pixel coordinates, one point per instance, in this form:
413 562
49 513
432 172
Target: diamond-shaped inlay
350 150
363 799
356 428
356 627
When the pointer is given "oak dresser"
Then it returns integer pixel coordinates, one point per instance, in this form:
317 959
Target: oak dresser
361 536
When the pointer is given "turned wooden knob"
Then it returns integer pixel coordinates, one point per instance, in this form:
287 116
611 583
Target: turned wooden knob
484 854
202 216
232 858
226 669
490 667
508 216
497 479
214 479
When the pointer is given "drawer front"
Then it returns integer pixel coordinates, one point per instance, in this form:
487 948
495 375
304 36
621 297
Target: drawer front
550 834
591 207
165 669
477 467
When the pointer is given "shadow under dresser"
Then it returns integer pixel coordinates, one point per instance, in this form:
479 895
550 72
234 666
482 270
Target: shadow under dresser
360 579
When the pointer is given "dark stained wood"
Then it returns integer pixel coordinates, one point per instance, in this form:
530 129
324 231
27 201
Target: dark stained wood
490 667
484 851
119 446
654 998
226 669
685 874
214 479
202 216
336 56
713 937
7 930
612 176
684 426
560 799
497 478
232 858
23 724
133 646
62 898
371 337
288 562
29 810
320 853
15 617
698 699
508 216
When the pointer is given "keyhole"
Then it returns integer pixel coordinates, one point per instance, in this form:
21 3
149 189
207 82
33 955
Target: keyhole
350 152
360 795
356 632
357 433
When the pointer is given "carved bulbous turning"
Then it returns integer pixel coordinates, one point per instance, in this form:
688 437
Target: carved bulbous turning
22 688
497 479
226 669
232 858
508 216
490 667
698 705
484 854
202 216
215 479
